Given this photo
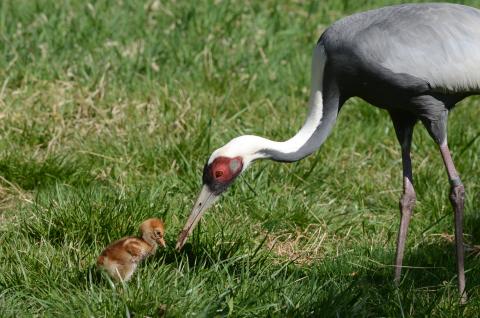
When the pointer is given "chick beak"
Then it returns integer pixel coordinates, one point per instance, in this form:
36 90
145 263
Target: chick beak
205 199
162 243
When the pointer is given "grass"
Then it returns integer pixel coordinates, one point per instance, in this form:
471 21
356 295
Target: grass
108 111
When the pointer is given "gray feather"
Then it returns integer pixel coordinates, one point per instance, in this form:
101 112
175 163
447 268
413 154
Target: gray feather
437 43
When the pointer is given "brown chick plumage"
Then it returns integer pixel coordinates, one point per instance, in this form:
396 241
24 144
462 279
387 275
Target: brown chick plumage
121 258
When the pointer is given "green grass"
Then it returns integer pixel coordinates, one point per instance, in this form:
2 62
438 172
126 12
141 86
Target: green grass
108 111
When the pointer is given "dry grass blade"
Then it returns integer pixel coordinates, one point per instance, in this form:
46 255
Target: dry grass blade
304 246
11 193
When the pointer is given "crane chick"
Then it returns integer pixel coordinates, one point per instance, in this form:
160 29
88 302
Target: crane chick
120 259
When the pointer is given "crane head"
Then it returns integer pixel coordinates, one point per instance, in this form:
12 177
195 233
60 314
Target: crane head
222 168
218 175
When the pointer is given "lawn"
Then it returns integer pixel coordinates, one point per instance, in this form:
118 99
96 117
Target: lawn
108 112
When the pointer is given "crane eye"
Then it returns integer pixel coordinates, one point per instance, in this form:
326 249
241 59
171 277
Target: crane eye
218 173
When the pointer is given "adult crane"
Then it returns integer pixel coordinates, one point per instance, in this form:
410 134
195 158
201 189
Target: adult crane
415 60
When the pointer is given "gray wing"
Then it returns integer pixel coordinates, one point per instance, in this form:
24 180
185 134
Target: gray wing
439 43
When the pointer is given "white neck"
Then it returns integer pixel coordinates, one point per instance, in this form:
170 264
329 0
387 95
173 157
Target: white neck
314 131
301 138
309 138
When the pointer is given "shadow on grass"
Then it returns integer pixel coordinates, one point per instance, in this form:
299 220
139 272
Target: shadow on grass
30 174
205 255
435 262
428 283
338 288
370 292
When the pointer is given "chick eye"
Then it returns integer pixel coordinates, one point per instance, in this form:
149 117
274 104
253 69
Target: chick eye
218 173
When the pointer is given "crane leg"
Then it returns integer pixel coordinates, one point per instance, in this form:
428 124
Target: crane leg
457 195
437 128
403 124
407 202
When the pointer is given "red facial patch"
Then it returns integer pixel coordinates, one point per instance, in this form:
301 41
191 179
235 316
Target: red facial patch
225 169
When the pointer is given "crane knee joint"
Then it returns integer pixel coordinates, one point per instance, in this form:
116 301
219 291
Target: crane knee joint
407 201
457 193
456 182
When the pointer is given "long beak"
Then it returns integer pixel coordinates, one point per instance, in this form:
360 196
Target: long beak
205 199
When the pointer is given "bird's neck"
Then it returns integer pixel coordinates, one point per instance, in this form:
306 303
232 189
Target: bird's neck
151 242
310 137
323 110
